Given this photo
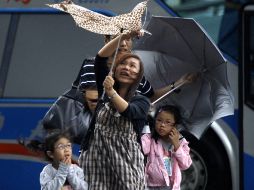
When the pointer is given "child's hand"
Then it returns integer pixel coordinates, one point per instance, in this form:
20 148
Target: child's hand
174 136
67 160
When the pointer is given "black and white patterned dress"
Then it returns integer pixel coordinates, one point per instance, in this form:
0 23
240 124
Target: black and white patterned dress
114 159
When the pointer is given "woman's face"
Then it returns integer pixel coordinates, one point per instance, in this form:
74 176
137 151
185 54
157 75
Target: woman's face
164 123
127 71
125 45
91 97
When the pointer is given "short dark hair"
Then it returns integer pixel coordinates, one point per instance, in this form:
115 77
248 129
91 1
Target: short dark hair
47 144
174 110
51 139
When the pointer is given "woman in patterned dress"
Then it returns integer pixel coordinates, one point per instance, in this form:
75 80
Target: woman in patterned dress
111 156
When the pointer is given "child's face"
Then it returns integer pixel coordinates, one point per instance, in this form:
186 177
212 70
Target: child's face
164 123
62 150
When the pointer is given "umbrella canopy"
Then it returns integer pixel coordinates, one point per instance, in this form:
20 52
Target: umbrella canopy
179 46
101 24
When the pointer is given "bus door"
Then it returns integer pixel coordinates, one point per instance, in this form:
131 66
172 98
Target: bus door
247 95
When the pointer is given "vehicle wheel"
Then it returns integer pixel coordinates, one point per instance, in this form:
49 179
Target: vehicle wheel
210 168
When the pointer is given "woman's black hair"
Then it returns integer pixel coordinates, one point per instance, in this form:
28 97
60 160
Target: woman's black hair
174 110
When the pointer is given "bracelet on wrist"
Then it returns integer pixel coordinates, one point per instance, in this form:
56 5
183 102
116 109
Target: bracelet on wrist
112 96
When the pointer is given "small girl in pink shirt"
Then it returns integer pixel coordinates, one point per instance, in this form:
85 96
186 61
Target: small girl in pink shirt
167 151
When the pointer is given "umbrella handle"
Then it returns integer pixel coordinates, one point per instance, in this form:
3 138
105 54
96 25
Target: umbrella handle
113 63
114 59
170 91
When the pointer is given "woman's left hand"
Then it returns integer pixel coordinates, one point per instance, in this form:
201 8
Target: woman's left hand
108 85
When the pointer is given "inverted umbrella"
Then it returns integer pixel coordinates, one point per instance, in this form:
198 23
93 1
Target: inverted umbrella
179 46
101 24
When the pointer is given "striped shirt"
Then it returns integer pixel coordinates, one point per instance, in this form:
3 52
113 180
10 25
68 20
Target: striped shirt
88 79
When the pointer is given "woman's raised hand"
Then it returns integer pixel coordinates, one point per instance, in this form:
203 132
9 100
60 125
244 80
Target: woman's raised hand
108 85
133 34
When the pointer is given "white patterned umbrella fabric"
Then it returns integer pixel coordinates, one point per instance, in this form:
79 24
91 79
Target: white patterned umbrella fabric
179 46
101 24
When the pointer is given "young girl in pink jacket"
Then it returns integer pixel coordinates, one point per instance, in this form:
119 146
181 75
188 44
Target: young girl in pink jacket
167 151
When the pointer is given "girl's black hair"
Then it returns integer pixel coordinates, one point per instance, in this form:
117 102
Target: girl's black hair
48 144
167 108
51 139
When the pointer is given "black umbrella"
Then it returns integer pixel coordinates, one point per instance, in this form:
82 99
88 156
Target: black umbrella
179 46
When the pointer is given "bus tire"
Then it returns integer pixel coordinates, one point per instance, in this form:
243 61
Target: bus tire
210 168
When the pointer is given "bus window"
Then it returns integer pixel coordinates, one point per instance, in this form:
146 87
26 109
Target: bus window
206 13
46 55
251 59
4 20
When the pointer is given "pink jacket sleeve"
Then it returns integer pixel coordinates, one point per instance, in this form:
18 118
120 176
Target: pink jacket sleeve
146 143
182 155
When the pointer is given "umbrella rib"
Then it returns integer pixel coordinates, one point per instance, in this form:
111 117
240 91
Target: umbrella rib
214 67
169 92
195 104
192 111
203 63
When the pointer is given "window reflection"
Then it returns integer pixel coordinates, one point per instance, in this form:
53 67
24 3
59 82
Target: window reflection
248 56
208 13
251 57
